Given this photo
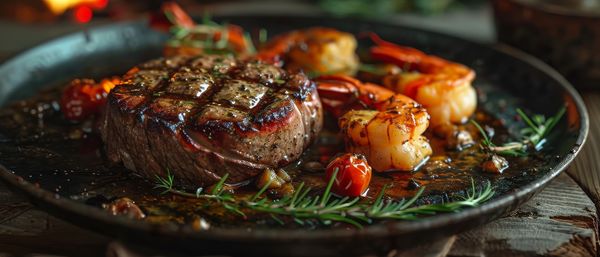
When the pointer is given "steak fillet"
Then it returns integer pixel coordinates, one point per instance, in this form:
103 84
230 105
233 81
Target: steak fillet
203 117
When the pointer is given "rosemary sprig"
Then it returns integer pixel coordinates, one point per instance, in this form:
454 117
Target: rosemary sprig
217 193
165 183
402 210
532 137
302 206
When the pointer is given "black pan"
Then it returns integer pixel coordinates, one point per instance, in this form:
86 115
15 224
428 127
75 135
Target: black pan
502 72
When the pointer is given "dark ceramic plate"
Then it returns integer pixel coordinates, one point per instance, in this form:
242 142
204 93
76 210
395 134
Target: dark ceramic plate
507 77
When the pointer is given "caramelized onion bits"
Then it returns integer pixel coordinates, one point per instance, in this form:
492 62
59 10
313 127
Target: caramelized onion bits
225 188
286 189
125 207
198 223
494 164
275 179
455 137
283 175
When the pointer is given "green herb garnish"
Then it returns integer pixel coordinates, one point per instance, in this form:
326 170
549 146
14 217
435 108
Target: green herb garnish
262 36
533 136
249 46
217 193
327 208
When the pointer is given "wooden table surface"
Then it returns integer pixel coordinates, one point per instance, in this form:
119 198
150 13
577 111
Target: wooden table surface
560 221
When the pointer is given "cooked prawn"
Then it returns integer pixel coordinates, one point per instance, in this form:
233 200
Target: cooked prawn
441 86
314 50
384 126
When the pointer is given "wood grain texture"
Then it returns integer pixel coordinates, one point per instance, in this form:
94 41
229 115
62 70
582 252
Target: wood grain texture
50 236
26 231
560 221
586 167
435 249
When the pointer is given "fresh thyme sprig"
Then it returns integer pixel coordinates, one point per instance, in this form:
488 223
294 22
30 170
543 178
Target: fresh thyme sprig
301 206
533 136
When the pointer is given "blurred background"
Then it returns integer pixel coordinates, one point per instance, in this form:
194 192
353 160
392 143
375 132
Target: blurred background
563 33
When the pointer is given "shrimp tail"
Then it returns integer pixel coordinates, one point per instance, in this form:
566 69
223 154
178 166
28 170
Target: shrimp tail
340 93
384 126
442 86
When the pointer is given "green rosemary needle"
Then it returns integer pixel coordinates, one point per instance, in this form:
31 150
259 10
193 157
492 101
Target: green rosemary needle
327 208
216 193
532 137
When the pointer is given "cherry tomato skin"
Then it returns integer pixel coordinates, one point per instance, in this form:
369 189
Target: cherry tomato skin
81 99
353 176
84 97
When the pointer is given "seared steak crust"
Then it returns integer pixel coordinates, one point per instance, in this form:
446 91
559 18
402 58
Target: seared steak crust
201 118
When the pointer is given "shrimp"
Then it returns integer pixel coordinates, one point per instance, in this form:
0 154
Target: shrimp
441 86
384 126
314 51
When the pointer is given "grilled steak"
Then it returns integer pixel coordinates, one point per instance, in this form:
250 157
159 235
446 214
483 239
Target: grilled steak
201 118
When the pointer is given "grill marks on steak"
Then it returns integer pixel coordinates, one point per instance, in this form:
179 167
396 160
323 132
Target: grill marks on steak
201 118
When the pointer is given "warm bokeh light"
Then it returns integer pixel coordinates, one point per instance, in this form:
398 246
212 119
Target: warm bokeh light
60 6
100 4
83 14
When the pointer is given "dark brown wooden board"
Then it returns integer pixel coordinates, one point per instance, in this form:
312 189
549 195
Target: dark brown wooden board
586 168
25 230
560 221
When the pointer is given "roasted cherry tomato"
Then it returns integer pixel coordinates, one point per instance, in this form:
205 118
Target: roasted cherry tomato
353 176
84 97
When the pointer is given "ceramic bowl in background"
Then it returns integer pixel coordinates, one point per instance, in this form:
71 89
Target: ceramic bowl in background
564 34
